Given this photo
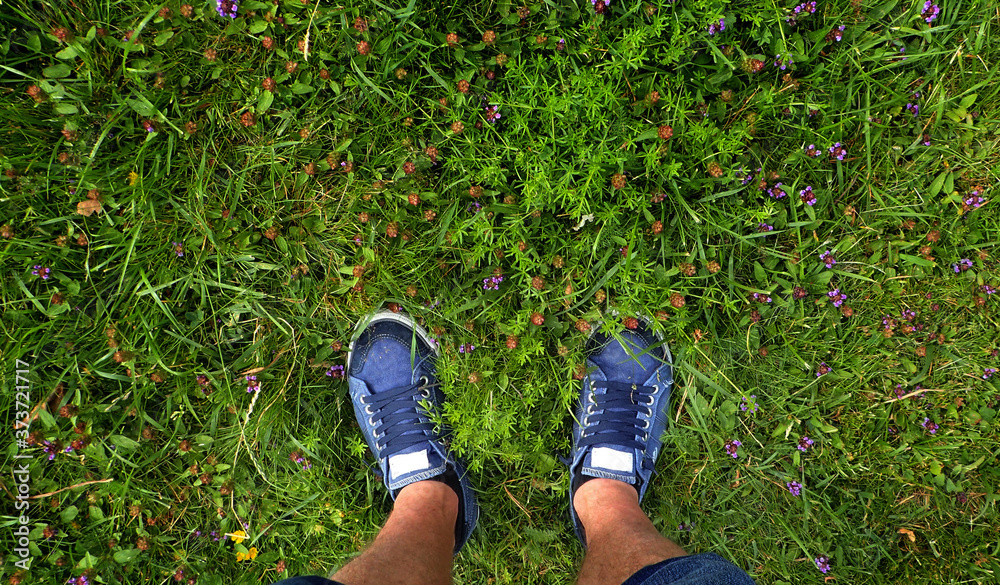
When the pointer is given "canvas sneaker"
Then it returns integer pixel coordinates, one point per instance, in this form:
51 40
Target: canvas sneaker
622 411
393 386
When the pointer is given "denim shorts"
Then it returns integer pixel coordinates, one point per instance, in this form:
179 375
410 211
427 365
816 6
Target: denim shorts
701 569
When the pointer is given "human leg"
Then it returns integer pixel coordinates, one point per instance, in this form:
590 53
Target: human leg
621 539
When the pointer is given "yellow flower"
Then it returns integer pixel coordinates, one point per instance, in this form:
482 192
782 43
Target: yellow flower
238 536
132 178
248 556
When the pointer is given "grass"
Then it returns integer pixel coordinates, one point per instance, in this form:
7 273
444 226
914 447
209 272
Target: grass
236 230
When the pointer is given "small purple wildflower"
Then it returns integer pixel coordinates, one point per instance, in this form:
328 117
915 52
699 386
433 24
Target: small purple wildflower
962 265
776 191
988 289
913 108
838 34
930 11
807 196
731 446
761 298
763 227
561 45
749 404
783 63
214 535
252 384
836 297
41 271
794 487
475 207
492 282
336 372
988 373
908 315
823 369
837 151
466 348
828 259
930 427
822 563
687 527
974 201
492 114
804 443
298 458
226 8
927 140
812 151
717 28
888 323
51 448
178 248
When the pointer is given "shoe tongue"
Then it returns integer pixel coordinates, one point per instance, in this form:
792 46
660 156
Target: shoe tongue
614 358
414 463
610 461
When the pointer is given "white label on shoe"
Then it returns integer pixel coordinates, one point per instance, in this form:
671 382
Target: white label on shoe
403 464
611 459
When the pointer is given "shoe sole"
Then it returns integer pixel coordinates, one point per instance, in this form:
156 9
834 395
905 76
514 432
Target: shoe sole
386 315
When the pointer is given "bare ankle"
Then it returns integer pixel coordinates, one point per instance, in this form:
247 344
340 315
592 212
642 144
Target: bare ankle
600 497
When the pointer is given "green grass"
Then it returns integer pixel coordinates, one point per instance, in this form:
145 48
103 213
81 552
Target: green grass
272 232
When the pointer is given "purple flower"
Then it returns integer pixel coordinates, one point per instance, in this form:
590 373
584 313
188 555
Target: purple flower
51 448
252 384
561 45
822 563
988 373
466 348
41 271
761 298
492 282
913 108
836 297
930 427
776 191
731 446
812 151
837 151
838 34
974 201
783 63
823 369
763 227
492 113
226 8
178 248
750 404
804 443
716 28
828 259
930 11
475 207
794 487
807 196
336 372
962 265
687 527
988 289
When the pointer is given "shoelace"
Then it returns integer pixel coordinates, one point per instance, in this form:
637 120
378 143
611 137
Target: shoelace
618 421
388 408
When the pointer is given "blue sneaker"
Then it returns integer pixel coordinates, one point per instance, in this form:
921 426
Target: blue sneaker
622 411
390 373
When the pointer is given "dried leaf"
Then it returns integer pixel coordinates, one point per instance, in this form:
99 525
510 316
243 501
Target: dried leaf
908 533
88 207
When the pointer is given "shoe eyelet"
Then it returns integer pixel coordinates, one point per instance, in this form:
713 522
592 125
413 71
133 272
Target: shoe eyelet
426 393
645 437
590 409
650 403
424 380
368 409
371 423
647 425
